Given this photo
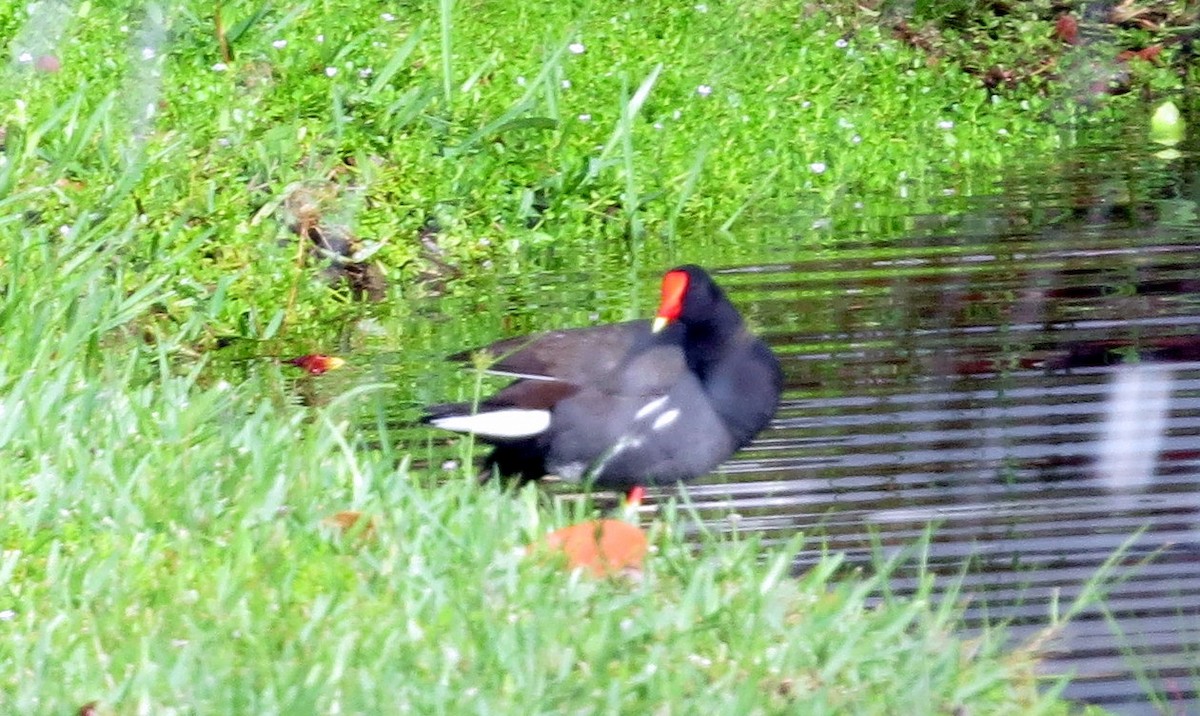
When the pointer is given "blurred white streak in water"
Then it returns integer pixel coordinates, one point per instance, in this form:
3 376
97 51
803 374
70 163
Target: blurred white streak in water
146 59
1135 418
42 32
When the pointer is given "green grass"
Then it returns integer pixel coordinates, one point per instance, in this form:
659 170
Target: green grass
163 552
162 541
521 125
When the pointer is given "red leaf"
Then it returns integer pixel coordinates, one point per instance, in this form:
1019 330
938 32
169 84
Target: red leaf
316 363
1066 29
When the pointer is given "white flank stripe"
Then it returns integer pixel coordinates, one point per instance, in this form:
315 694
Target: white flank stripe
665 419
650 407
507 423
514 374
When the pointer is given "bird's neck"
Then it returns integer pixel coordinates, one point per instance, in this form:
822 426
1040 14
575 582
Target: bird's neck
708 340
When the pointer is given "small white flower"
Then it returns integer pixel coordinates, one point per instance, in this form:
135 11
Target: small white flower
701 8
576 48
220 67
366 72
817 167
521 80
585 117
658 125
1002 131
945 124
7 615
25 57
387 17
279 44
704 90
320 38
676 114
805 104
330 71
841 43
148 53
855 139
566 84
123 28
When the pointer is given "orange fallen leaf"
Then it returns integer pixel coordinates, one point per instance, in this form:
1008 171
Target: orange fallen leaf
603 547
316 363
348 520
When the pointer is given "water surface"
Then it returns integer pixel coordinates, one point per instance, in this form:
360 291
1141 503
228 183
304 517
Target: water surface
1020 370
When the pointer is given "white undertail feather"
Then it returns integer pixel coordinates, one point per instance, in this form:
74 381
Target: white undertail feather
505 423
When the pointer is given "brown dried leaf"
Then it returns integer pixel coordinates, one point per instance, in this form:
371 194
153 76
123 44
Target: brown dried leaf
347 521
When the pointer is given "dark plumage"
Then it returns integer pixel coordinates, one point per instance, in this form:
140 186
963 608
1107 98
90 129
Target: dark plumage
628 404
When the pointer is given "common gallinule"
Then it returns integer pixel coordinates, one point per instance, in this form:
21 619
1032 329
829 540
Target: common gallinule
627 404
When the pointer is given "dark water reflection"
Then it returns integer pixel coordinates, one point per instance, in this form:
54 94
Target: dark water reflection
1022 372
1025 377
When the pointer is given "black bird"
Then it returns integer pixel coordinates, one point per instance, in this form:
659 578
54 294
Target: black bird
627 404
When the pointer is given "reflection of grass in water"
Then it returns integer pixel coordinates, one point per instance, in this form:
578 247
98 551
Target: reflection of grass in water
1163 691
909 571
1093 597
